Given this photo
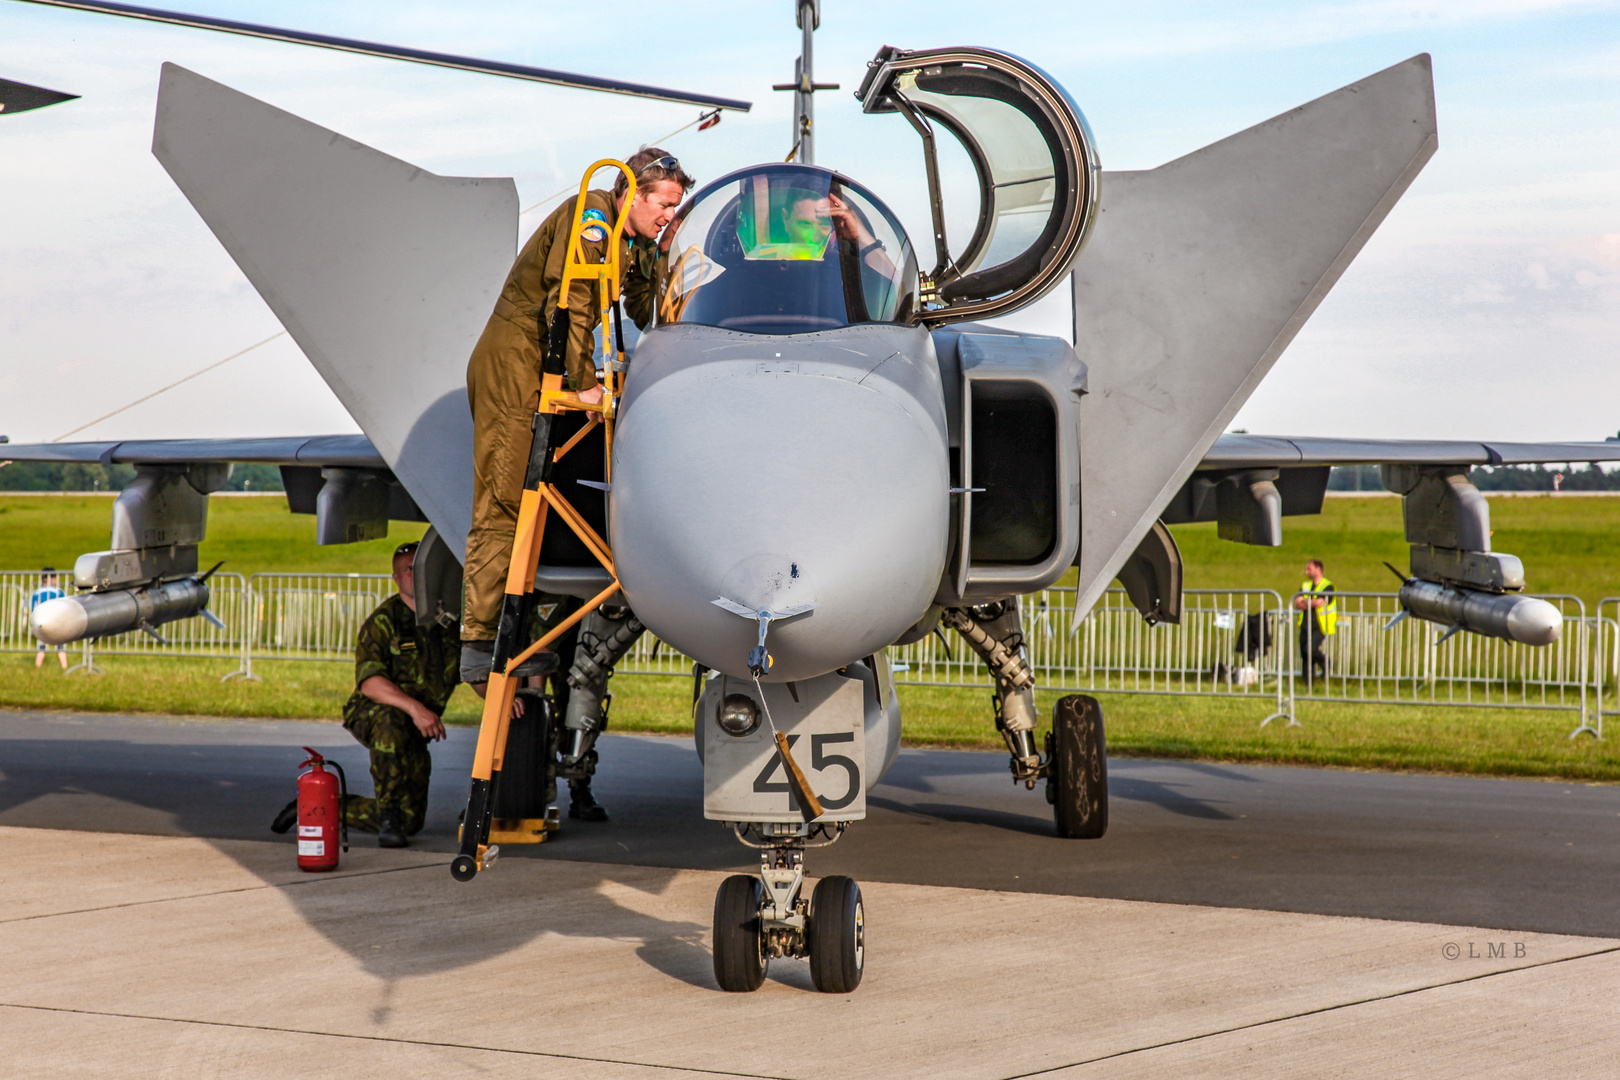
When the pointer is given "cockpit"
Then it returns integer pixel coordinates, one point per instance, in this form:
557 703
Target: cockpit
793 249
788 249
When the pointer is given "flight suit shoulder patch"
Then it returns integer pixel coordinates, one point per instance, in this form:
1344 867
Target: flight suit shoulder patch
593 233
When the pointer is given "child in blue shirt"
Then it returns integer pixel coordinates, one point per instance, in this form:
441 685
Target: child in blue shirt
48 590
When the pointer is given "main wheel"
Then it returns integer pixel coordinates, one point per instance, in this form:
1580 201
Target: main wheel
837 933
1077 784
739 944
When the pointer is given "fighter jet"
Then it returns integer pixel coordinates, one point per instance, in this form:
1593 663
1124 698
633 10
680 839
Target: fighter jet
821 449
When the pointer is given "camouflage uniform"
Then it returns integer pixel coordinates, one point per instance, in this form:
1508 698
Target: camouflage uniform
503 381
422 663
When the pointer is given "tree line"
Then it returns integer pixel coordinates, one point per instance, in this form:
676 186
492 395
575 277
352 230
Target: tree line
92 477
77 476
1493 478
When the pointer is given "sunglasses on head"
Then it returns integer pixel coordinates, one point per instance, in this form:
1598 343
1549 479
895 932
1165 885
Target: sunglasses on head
407 549
667 163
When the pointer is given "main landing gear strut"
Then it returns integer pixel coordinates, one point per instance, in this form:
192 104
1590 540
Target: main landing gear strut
1075 767
758 918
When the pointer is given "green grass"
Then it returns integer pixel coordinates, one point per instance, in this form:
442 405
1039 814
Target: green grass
252 533
185 686
1567 545
1498 742
1565 542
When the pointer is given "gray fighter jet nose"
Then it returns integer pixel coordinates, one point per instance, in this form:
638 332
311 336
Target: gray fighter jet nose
775 485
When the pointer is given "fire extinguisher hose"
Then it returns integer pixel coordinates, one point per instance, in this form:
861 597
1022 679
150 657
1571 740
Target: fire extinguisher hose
343 805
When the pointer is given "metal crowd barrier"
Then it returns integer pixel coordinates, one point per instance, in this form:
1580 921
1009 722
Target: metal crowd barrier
1369 660
309 616
1237 643
15 587
228 599
266 617
1605 665
1245 643
1114 651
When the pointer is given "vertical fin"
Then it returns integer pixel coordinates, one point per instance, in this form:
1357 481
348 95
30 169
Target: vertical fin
1200 273
383 273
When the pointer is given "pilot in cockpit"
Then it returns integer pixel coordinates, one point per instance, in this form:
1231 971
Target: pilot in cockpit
787 249
810 221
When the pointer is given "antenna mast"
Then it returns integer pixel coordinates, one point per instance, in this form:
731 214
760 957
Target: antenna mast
804 86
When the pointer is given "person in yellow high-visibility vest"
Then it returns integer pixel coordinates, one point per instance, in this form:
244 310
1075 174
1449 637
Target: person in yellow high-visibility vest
1318 620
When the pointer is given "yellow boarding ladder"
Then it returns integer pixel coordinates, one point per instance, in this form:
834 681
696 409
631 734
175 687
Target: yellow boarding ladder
540 499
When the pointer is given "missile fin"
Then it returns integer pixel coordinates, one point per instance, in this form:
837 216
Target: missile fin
211 617
1449 634
1403 615
150 629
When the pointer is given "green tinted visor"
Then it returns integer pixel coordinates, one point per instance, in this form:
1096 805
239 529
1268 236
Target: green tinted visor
783 221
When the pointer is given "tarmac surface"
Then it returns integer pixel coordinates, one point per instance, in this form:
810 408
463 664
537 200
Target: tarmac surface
1270 920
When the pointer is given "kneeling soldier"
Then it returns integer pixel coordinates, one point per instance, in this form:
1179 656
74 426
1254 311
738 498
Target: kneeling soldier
403 677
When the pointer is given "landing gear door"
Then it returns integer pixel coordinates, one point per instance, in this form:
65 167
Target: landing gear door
437 577
1035 162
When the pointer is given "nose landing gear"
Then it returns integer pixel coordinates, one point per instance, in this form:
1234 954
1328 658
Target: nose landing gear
760 918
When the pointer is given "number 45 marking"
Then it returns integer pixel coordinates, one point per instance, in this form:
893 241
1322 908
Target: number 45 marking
764 785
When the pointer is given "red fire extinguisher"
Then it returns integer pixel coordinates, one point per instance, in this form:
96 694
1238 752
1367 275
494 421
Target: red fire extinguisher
321 829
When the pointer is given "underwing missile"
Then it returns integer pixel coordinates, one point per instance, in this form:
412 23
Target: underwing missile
107 614
1509 616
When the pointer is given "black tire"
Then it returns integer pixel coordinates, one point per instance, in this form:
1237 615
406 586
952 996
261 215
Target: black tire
463 868
837 935
739 946
1077 784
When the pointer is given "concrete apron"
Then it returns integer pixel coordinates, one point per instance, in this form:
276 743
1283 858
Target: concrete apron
133 956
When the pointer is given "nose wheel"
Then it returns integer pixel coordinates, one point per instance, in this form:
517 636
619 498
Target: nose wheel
837 935
739 938
757 919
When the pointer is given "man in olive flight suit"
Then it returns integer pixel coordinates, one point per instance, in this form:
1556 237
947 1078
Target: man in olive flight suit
503 375
403 677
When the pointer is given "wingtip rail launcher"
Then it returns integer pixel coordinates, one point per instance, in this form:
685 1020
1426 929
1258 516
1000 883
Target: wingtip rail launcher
540 499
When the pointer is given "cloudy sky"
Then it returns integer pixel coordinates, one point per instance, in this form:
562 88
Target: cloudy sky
1488 305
